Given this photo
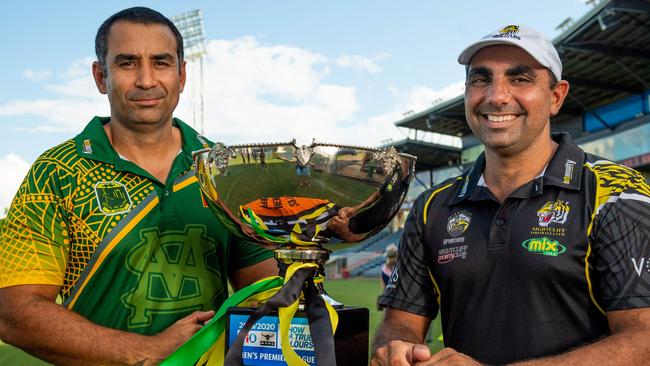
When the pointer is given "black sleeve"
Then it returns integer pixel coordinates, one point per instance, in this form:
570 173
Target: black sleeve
410 287
621 242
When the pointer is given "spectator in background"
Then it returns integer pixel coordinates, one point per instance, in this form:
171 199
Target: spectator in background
263 159
387 268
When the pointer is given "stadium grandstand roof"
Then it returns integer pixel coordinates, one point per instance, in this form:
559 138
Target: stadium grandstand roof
430 155
606 58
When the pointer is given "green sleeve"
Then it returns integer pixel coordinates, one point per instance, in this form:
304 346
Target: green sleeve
244 253
34 242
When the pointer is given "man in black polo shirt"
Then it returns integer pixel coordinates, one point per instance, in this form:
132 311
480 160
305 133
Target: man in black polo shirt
540 252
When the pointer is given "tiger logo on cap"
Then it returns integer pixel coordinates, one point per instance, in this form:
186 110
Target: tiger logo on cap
509 29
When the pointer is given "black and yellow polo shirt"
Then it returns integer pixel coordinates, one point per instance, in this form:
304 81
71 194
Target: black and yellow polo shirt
536 274
129 251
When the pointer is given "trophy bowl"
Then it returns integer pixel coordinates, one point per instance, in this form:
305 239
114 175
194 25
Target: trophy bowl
283 196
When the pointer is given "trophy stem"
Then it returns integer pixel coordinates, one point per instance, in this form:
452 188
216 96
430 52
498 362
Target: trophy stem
311 254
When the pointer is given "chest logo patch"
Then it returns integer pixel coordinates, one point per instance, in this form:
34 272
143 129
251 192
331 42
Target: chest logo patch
553 211
173 274
113 198
544 246
458 223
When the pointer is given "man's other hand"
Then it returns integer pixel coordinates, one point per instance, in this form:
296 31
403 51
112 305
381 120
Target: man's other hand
449 357
400 353
166 342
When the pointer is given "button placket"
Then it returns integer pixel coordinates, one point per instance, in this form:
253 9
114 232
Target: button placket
500 229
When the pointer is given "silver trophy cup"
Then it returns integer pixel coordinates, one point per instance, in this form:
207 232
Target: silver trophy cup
298 200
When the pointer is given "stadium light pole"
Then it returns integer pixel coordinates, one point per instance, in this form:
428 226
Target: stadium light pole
190 24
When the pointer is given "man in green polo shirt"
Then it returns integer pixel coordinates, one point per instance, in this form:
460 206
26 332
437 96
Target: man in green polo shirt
113 220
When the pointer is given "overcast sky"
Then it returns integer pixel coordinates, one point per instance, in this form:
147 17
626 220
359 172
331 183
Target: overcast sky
339 70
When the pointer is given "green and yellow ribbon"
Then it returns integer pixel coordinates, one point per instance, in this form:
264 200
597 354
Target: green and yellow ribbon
208 344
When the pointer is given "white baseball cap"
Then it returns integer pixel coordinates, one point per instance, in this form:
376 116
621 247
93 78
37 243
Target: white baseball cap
528 39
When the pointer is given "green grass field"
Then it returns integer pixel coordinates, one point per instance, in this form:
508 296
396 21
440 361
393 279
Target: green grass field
10 355
280 178
363 292
358 292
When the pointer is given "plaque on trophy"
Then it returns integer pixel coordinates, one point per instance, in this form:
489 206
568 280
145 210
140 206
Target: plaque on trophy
297 200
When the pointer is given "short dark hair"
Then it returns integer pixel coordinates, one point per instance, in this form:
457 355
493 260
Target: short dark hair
138 14
552 78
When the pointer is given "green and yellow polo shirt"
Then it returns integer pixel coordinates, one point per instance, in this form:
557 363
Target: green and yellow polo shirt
535 274
129 252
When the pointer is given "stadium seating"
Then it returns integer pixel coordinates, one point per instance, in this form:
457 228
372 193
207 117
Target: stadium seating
366 259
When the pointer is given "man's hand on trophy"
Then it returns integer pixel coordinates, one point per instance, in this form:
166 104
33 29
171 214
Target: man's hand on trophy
347 212
340 222
340 225
161 345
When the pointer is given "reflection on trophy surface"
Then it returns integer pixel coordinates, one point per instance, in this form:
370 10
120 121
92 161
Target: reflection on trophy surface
281 195
296 200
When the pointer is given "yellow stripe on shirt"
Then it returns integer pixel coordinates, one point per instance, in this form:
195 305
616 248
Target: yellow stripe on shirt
112 245
185 183
426 206
600 197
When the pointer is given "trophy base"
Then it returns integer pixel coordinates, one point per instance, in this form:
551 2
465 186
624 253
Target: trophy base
262 345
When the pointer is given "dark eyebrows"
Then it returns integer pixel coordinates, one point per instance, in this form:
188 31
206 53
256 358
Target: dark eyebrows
122 57
164 57
479 71
521 70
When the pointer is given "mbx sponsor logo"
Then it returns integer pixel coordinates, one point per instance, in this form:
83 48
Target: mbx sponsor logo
545 246
641 264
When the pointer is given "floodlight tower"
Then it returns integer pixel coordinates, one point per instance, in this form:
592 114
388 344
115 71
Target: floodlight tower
190 24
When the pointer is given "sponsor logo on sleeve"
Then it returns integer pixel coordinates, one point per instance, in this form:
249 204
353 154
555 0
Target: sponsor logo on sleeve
544 246
392 281
641 265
